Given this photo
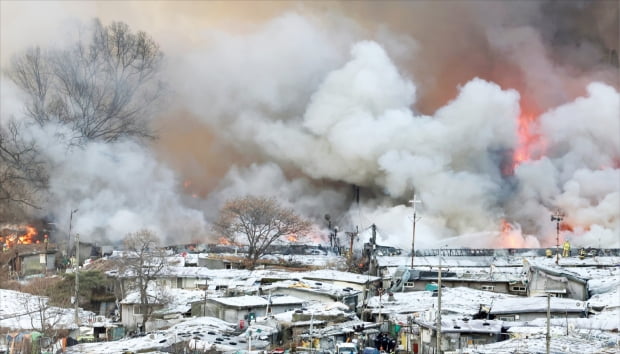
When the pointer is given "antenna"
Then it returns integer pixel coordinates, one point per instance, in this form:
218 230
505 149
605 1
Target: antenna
557 217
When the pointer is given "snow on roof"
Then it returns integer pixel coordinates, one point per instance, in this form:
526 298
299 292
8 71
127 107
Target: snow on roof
461 326
575 342
461 301
451 261
174 300
553 269
536 304
23 311
303 285
335 275
248 301
201 332
497 260
606 283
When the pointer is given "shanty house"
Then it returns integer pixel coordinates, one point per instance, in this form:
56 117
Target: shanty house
542 280
457 334
324 293
530 308
237 308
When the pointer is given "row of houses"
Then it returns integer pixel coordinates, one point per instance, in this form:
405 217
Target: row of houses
399 300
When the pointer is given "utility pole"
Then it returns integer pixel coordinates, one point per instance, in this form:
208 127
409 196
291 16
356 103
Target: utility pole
329 227
77 279
413 202
69 238
381 291
439 305
204 309
548 337
372 257
46 242
557 217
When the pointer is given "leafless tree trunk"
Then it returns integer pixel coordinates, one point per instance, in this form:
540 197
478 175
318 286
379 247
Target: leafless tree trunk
259 221
23 173
146 262
104 88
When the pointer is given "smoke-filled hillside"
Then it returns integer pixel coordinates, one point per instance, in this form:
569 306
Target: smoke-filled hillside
495 114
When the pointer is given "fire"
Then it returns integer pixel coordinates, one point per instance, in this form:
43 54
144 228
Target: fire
525 139
506 227
224 241
292 238
11 235
509 238
527 142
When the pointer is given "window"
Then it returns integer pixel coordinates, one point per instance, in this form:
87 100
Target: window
137 310
487 287
507 318
409 284
521 289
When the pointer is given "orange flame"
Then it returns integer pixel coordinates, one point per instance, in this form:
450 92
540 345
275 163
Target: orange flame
292 238
525 140
19 235
508 238
224 241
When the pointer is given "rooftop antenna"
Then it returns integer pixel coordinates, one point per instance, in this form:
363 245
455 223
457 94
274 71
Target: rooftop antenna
413 202
557 217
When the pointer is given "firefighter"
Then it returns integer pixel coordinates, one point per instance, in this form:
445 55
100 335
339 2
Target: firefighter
582 253
548 253
566 252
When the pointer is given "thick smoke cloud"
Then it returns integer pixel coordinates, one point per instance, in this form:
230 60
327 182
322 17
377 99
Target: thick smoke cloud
303 102
116 188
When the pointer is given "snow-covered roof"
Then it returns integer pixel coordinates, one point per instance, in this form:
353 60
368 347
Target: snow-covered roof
590 341
496 260
464 326
557 271
303 285
458 301
248 301
24 311
335 275
536 304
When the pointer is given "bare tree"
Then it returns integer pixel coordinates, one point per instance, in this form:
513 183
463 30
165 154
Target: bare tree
145 262
23 172
259 221
43 317
103 88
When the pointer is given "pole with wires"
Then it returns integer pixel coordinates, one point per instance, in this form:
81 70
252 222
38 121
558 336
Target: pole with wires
413 202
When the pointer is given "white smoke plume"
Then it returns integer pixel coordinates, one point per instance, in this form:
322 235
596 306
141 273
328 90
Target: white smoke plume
304 102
